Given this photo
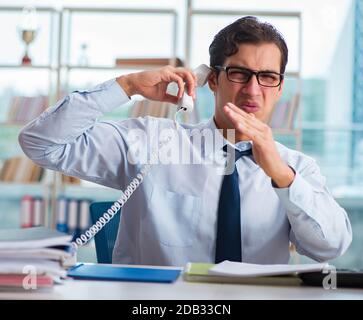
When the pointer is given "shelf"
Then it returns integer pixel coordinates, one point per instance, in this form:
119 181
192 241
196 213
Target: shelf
350 203
58 73
292 74
39 8
340 127
124 67
15 191
120 10
349 196
30 67
287 131
12 125
95 193
241 13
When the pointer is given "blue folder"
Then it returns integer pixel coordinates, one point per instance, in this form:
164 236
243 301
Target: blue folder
118 273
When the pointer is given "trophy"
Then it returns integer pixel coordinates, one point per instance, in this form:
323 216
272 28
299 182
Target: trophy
28 31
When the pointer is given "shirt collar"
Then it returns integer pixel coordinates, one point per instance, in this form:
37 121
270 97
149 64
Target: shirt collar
217 134
240 146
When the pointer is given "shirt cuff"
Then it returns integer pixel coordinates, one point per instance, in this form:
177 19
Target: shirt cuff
110 95
298 196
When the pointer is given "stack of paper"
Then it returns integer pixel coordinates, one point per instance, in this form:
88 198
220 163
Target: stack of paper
33 256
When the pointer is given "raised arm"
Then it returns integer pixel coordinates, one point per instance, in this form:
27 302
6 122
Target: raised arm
68 137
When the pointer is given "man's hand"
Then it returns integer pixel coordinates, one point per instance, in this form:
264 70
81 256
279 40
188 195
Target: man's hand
264 147
153 84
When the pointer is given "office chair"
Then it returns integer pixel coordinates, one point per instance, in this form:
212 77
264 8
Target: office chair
104 239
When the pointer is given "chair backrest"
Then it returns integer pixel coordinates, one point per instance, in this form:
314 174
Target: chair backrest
105 238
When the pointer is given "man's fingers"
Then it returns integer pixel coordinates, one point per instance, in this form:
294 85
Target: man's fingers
249 118
234 118
173 77
242 125
251 133
189 79
170 98
184 78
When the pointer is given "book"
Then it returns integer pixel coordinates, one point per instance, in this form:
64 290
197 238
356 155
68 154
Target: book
70 180
37 266
284 113
32 211
23 109
35 251
280 116
32 238
21 170
53 253
120 273
38 217
199 272
4 169
11 169
61 215
148 62
84 215
72 215
26 211
17 280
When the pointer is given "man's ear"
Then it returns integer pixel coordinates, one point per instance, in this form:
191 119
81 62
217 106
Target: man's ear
213 81
279 93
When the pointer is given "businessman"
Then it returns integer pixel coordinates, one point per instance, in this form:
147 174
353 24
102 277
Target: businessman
180 213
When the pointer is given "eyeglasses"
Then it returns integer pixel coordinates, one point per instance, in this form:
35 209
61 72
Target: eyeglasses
244 75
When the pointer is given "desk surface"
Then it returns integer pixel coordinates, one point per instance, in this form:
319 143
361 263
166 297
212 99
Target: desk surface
179 290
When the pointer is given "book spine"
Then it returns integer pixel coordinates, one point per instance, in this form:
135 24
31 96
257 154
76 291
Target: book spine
73 217
26 211
62 205
38 212
84 215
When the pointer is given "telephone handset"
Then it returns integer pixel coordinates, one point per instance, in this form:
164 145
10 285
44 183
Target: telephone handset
186 104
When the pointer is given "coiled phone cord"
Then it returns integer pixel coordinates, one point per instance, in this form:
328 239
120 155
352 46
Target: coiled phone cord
127 193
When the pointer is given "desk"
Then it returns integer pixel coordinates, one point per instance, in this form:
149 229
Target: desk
179 290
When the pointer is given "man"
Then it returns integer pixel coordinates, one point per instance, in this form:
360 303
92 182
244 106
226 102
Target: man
183 213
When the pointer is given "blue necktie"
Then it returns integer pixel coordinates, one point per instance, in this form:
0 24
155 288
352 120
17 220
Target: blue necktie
228 245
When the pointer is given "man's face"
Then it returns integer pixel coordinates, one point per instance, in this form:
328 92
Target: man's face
250 97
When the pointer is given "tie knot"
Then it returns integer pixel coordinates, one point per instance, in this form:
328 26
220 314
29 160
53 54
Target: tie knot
237 154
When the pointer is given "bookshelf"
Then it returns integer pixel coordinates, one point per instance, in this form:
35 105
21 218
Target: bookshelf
52 54
25 92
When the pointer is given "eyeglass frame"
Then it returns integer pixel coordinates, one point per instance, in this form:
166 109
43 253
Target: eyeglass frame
256 73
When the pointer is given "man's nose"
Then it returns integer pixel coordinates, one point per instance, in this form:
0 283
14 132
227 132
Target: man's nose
252 87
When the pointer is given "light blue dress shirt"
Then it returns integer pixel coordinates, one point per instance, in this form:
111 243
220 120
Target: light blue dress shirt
171 218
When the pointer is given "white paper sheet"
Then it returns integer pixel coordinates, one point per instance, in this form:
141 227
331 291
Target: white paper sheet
229 268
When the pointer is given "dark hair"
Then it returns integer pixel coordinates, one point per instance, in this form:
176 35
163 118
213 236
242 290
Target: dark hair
245 30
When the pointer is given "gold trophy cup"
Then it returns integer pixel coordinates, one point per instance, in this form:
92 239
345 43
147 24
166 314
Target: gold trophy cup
27 36
28 31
